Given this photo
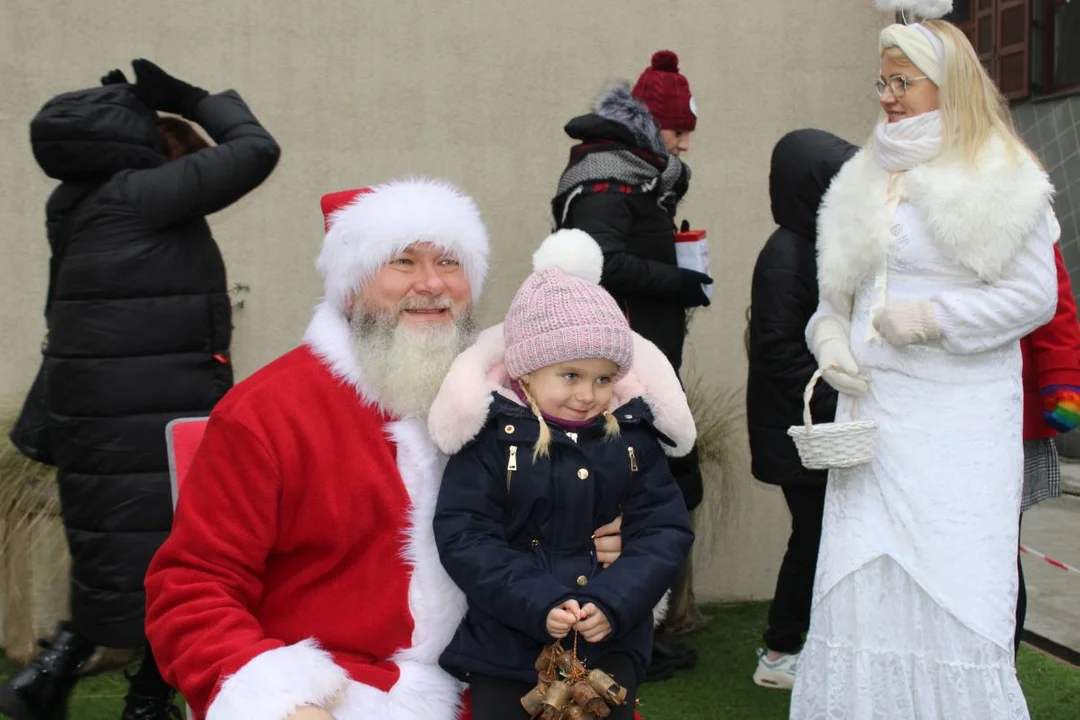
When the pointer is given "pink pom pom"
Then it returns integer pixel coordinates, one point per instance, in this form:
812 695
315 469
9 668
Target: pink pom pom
665 60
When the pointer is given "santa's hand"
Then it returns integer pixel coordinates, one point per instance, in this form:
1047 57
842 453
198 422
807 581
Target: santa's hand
608 539
906 323
594 625
562 618
310 712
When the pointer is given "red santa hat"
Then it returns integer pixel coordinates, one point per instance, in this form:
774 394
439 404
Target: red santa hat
365 228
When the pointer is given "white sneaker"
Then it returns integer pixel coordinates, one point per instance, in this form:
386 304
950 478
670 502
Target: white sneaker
778 674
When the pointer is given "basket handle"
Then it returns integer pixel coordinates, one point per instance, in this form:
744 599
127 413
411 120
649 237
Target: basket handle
808 395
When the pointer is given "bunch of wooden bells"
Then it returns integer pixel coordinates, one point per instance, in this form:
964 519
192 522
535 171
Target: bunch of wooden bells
567 690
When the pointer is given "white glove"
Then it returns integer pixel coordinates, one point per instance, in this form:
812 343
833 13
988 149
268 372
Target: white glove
906 323
833 352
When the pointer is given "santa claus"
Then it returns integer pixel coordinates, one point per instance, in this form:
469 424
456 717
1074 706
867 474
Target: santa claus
301 578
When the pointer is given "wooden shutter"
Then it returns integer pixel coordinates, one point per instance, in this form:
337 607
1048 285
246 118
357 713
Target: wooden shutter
1012 48
963 17
985 34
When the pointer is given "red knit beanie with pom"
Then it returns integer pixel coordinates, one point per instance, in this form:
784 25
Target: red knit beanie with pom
667 93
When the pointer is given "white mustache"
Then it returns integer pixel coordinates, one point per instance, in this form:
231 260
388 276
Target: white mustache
422 303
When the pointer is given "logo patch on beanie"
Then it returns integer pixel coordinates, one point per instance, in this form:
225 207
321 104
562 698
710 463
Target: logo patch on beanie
693 106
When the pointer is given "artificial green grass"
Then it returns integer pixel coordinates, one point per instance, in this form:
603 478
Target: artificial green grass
718 688
721 685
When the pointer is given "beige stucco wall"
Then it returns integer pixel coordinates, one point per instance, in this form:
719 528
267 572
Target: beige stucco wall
475 91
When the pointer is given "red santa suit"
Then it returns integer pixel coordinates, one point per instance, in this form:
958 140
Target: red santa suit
302 567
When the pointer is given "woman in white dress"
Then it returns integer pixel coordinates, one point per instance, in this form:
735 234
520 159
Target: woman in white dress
935 258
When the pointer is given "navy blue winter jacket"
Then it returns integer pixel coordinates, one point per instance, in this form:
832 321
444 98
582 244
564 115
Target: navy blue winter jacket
516 537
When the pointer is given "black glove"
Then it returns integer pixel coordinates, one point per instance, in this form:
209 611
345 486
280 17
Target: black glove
685 227
693 295
114 77
161 91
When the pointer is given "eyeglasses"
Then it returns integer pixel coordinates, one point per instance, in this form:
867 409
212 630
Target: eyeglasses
897 85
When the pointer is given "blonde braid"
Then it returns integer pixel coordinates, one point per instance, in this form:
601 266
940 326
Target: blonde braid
542 448
611 426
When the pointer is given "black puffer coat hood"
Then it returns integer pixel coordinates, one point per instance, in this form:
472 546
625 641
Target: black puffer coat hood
804 162
95 133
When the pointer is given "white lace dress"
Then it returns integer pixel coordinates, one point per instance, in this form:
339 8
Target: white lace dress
914 599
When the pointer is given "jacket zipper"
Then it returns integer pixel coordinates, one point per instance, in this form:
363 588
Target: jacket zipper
511 466
633 459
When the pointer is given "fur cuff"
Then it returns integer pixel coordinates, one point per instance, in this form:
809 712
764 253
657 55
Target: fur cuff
276 683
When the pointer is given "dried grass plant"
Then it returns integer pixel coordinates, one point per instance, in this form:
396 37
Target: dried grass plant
29 500
720 415
28 491
721 425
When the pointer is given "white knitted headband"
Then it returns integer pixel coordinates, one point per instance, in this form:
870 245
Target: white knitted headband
921 46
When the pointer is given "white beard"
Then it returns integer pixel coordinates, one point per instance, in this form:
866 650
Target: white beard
405 366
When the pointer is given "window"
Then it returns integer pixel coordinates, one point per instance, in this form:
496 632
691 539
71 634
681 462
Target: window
999 30
1025 45
1062 45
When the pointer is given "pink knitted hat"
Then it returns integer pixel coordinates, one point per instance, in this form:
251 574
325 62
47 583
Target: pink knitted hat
560 313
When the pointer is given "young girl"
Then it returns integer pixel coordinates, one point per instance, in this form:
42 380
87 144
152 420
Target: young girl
555 422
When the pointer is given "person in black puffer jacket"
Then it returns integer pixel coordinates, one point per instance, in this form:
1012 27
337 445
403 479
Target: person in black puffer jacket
622 186
139 323
784 294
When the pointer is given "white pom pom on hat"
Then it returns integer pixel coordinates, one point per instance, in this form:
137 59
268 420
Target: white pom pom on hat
926 9
572 251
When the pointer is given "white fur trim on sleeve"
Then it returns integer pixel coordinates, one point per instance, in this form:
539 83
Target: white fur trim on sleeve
276 683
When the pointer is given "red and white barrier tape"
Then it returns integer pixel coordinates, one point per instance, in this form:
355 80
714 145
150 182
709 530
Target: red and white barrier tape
1047 558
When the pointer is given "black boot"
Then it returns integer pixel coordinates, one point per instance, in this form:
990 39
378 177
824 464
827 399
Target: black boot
149 696
40 691
659 671
675 654
151 707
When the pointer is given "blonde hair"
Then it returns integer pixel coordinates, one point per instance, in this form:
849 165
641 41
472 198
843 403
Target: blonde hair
542 448
973 110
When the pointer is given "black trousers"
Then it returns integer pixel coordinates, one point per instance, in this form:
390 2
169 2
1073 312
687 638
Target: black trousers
147 681
789 614
1021 598
500 699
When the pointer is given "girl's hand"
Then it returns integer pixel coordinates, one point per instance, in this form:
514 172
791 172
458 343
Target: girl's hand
608 541
310 712
562 618
594 625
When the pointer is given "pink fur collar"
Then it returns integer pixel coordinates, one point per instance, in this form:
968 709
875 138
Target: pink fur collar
461 408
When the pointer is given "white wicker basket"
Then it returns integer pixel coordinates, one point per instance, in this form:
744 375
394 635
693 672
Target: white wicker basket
833 445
